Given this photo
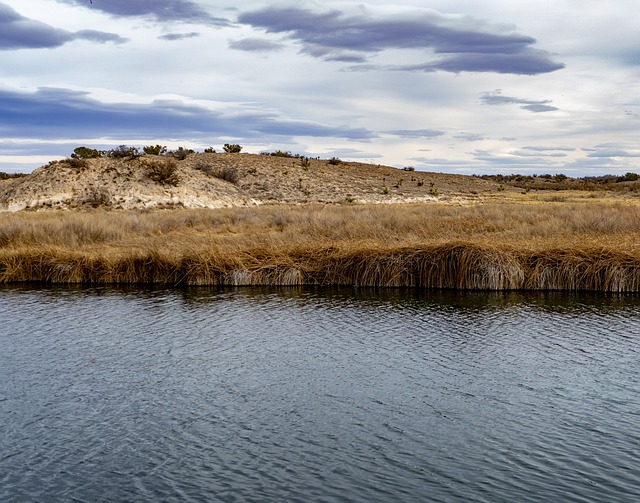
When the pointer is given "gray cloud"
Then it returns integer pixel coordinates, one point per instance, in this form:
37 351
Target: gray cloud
255 45
160 10
100 37
470 136
528 153
171 37
19 32
501 160
548 149
330 34
612 152
415 133
496 98
51 113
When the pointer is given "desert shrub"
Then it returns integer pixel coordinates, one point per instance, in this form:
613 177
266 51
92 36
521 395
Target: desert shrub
6 176
335 161
232 148
124 152
154 150
205 167
74 162
629 177
95 197
409 168
226 173
279 153
209 150
305 162
163 172
181 153
85 153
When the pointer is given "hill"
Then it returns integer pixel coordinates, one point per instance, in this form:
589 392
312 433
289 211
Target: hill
215 180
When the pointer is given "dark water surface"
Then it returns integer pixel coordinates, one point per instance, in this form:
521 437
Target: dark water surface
317 395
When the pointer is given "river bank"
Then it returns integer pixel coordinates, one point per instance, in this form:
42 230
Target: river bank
582 246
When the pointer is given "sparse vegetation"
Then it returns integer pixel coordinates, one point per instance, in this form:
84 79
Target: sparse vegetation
124 152
209 150
75 162
95 197
226 173
629 181
335 161
232 148
164 172
7 176
85 153
279 153
181 153
155 150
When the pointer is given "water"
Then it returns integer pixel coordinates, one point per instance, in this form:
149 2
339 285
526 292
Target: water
317 395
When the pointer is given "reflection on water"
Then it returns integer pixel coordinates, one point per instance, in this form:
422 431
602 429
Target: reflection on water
317 395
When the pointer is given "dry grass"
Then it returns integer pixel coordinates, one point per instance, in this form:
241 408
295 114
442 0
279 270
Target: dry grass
559 246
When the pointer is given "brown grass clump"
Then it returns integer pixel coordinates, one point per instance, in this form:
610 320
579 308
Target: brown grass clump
551 246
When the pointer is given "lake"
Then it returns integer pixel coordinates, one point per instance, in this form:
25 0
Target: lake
327 395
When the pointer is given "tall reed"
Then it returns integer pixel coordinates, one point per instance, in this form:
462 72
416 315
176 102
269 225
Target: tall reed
495 247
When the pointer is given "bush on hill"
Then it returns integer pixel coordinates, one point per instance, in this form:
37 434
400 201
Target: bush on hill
232 148
86 153
124 152
154 150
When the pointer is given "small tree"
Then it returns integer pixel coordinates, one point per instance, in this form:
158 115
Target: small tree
232 148
155 150
86 153
124 152
181 153
163 172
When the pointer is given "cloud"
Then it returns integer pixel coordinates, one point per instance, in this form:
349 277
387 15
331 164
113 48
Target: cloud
160 10
612 152
496 98
52 113
171 37
527 153
548 149
19 32
255 45
458 46
470 137
510 159
100 37
416 133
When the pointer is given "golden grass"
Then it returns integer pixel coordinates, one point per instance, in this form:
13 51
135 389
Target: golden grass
547 246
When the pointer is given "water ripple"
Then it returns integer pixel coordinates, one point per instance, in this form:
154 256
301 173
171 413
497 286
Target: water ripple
317 395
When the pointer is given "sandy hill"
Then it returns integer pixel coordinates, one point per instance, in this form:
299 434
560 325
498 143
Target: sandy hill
213 180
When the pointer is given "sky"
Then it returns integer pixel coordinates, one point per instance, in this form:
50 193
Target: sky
470 87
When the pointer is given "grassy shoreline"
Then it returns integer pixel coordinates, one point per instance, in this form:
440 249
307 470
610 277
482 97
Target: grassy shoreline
590 246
